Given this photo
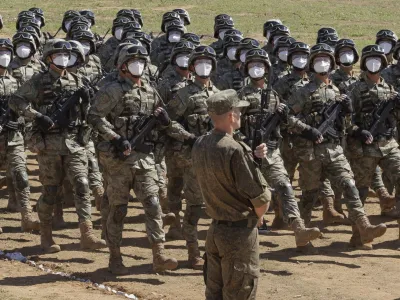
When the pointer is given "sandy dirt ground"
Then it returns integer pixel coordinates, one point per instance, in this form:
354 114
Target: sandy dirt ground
335 273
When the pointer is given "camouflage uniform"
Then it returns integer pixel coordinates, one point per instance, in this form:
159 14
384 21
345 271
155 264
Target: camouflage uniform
13 158
343 80
23 70
384 149
189 107
106 52
92 68
325 160
235 79
280 69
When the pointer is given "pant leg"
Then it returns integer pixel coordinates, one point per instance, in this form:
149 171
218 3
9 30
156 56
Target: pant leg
277 177
161 181
76 166
289 157
390 164
16 164
214 283
51 175
194 204
146 190
94 174
239 254
377 179
339 173
364 168
326 189
175 182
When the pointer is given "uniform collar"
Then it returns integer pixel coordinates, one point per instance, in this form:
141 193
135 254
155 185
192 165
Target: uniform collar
370 83
202 87
6 74
320 83
56 75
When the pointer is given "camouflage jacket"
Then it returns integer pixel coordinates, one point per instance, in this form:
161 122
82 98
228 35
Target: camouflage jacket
279 69
343 80
40 94
120 103
224 65
106 52
366 95
289 84
161 52
24 70
235 79
169 86
189 107
92 69
392 76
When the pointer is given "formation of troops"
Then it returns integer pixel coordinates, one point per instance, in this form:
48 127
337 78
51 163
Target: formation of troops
105 117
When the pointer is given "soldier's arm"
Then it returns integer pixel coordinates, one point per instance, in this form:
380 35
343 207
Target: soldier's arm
249 181
21 101
103 103
176 108
354 94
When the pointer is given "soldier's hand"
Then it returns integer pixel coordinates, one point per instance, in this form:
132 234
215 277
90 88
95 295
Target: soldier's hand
366 137
191 140
84 94
261 151
162 116
123 145
312 134
283 111
346 103
44 122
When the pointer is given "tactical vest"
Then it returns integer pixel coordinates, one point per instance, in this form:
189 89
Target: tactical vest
136 103
237 80
198 121
24 73
369 100
49 97
8 86
92 69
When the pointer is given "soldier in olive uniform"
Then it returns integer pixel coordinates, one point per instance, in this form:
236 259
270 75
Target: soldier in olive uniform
222 23
236 197
257 65
189 108
12 149
274 33
175 150
124 102
381 149
235 79
321 156
57 142
25 65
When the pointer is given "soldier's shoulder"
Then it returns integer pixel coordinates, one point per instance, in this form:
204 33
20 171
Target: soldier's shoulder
95 58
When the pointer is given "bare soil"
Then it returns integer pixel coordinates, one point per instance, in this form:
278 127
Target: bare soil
335 273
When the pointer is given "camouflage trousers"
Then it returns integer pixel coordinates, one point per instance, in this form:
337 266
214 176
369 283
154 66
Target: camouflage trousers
329 163
161 181
176 165
138 173
13 161
194 205
277 177
94 175
289 156
366 166
52 167
232 263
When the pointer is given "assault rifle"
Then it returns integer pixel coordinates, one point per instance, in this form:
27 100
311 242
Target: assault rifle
64 104
142 127
4 112
266 123
380 114
330 114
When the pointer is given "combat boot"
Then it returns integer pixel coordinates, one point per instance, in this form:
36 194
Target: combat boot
46 239
88 239
162 263
369 232
329 214
28 222
387 203
302 234
115 265
175 230
196 262
278 222
168 219
58 219
98 193
355 240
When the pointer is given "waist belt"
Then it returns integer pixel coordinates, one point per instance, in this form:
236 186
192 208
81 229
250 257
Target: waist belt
249 223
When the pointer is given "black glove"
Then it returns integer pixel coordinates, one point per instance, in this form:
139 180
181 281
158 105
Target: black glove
311 134
163 117
363 135
84 93
283 111
346 104
191 140
44 122
122 144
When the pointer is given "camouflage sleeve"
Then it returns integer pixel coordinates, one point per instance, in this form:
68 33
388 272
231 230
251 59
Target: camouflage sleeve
177 132
103 103
295 125
248 179
279 87
354 95
22 100
177 106
297 100
164 90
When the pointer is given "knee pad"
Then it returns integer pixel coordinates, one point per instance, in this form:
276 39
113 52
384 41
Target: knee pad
350 189
22 181
152 206
50 193
285 189
195 212
81 186
119 213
